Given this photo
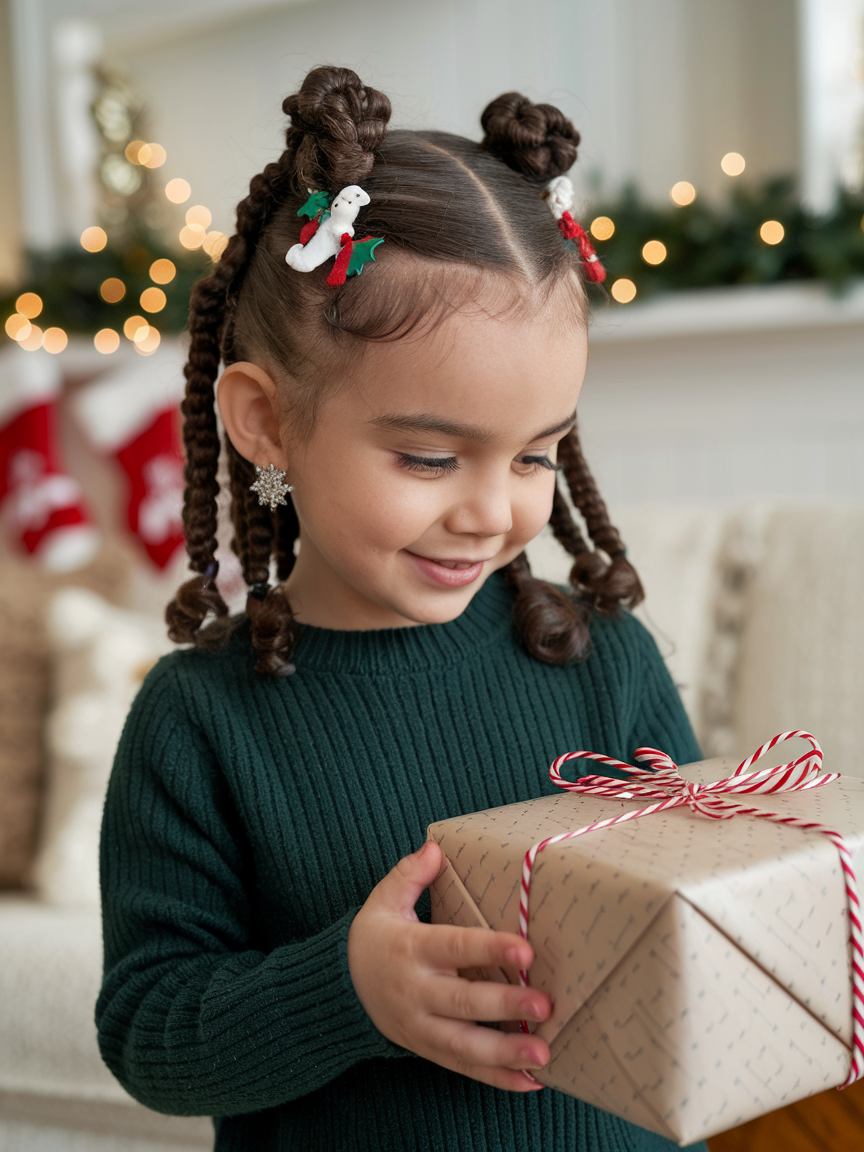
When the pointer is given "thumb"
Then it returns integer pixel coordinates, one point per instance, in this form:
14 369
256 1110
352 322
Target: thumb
400 889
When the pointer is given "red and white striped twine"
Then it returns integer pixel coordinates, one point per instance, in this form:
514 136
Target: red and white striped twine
663 782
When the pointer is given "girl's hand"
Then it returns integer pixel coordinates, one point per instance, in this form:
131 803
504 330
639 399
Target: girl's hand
405 974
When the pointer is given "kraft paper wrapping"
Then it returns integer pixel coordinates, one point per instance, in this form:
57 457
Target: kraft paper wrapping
699 970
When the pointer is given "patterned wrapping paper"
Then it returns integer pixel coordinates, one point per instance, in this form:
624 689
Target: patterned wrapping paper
699 969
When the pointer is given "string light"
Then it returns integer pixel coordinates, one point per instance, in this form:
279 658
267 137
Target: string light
623 290
654 252
153 299
17 327
772 231
178 191
106 341
54 340
94 239
602 228
199 216
162 271
155 158
147 340
112 290
192 236
133 151
132 325
683 193
32 340
29 305
215 244
733 163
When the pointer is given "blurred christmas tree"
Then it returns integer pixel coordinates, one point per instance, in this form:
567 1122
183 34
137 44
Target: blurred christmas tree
123 277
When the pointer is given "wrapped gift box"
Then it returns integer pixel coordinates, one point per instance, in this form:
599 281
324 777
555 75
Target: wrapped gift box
699 969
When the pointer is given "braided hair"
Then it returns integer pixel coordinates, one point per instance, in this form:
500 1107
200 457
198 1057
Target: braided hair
426 188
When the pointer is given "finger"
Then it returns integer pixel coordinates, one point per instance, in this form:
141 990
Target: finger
505 1078
456 1042
400 889
448 947
460 999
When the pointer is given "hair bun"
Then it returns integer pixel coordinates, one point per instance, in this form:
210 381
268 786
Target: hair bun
535 139
336 125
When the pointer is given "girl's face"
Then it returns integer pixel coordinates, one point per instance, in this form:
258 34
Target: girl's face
429 468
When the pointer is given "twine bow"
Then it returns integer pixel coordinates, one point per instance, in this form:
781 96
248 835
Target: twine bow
663 782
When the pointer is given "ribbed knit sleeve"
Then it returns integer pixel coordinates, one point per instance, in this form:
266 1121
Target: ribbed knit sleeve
192 1018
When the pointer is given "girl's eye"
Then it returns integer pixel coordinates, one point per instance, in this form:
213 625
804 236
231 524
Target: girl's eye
444 464
428 463
538 462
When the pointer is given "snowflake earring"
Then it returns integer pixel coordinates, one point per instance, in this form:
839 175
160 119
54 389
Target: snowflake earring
270 486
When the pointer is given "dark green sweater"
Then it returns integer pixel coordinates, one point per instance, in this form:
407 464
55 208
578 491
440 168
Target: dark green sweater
247 819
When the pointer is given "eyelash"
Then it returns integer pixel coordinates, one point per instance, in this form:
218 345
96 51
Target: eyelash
446 464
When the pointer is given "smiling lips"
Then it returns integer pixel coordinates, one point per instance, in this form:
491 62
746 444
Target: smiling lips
450 573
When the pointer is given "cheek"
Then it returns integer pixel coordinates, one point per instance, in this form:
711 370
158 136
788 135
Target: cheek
532 508
374 507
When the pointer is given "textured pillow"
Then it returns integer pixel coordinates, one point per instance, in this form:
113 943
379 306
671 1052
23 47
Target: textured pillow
24 689
674 550
800 657
101 655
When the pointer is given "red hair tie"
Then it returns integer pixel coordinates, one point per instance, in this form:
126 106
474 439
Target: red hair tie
559 195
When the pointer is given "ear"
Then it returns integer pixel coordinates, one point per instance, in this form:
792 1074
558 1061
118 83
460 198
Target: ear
247 401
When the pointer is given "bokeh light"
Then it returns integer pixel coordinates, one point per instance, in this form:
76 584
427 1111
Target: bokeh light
94 239
32 340
155 158
112 290
654 252
192 236
602 228
178 191
133 150
132 325
17 327
772 231
733 163
199 215
147 341
29 305
683 193
215 244
153 299
162 271
106 341
623 290
54 340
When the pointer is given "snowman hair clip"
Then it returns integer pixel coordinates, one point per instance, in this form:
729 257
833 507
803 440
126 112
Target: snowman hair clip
329 231
559 196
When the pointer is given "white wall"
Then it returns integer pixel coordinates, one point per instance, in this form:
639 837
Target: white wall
659 88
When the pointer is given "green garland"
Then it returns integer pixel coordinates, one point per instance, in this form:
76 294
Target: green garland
711 245
68 281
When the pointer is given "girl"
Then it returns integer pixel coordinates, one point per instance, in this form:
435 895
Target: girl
264 962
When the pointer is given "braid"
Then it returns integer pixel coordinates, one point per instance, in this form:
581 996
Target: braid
287 531
609 585
207 324
552 626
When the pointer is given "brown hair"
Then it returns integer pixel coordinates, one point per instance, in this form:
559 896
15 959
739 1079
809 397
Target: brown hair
427 191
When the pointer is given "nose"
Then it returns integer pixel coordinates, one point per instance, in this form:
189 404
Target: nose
484 507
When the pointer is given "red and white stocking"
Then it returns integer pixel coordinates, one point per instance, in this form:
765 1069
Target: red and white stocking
133 416
41 505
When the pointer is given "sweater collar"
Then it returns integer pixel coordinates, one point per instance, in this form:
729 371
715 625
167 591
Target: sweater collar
486 620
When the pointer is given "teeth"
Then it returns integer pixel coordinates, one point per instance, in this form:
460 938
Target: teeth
453 564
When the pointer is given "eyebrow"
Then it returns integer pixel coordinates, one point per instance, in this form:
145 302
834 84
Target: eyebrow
428 422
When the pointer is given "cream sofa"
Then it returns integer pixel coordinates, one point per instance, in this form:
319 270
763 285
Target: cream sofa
758 612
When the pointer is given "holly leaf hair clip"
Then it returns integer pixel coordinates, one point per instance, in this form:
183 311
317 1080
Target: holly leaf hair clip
329 231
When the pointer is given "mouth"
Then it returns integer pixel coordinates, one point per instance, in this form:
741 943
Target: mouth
451 572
